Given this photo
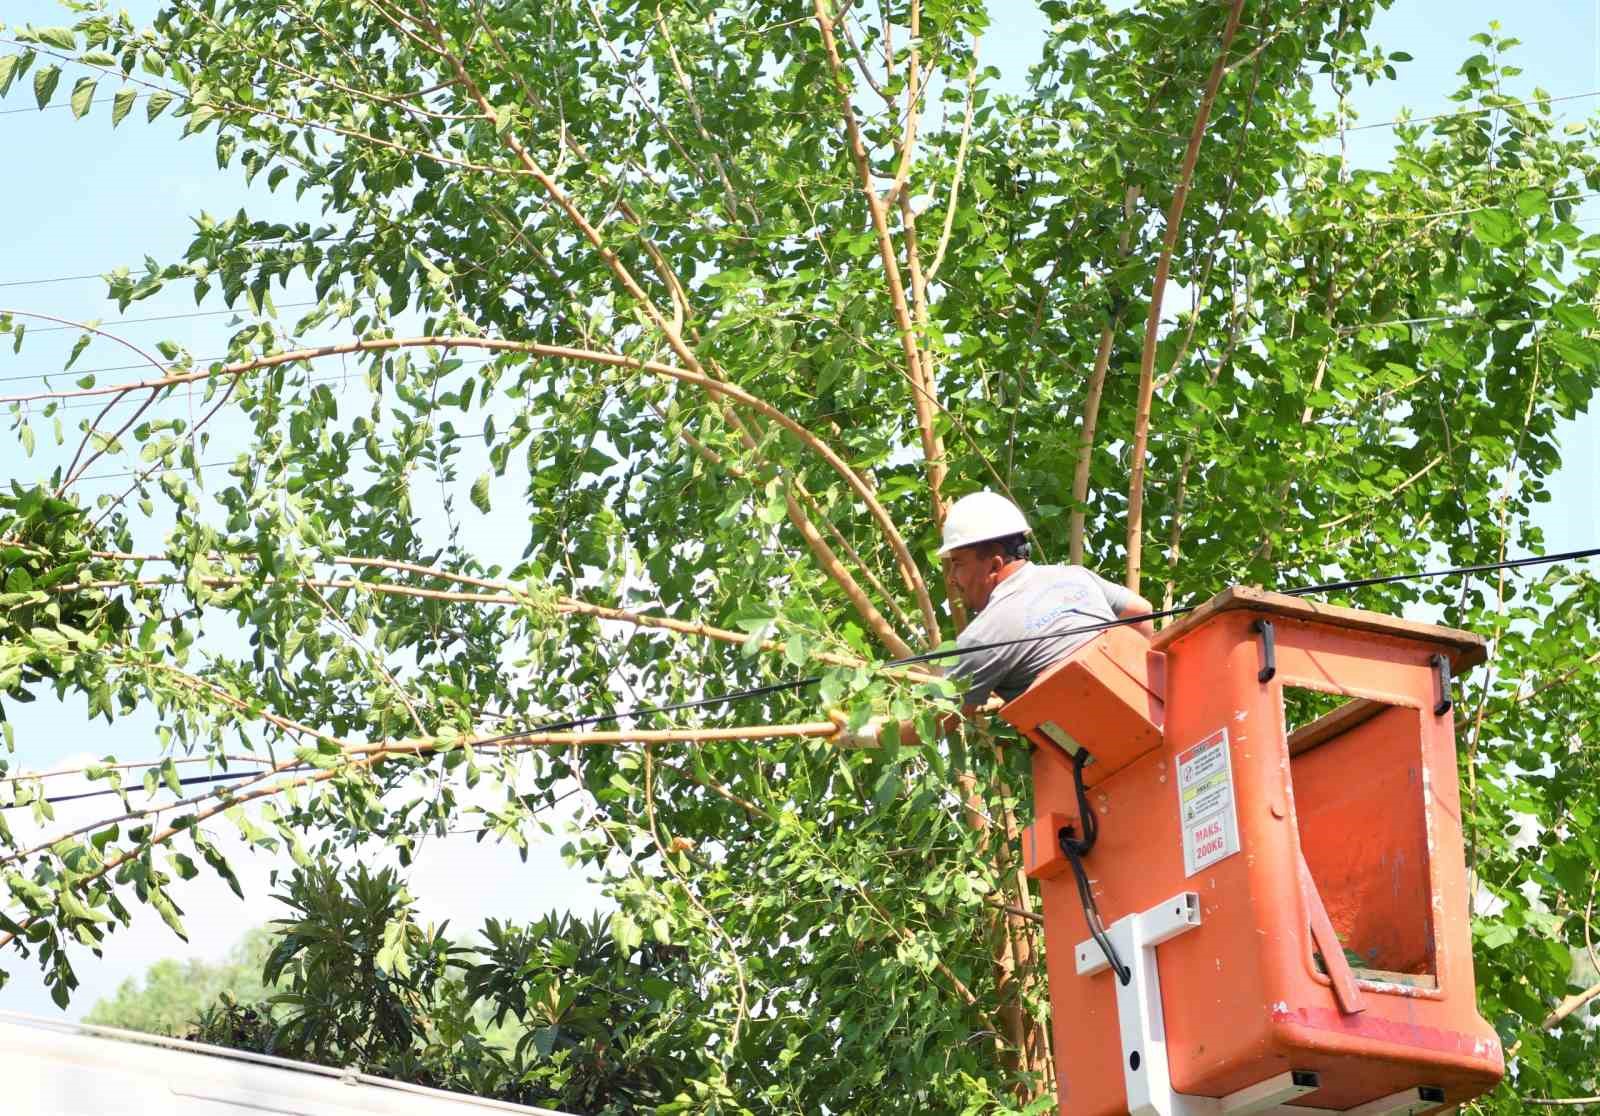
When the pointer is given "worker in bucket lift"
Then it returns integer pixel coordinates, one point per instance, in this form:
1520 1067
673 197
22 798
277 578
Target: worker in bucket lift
1011 598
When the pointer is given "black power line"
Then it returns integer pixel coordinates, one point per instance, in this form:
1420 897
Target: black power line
1487 567
219 777
931 656
949 652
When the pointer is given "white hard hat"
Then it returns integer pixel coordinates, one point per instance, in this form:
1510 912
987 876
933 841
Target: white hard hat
979 517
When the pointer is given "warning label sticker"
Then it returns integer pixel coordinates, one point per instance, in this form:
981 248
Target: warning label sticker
1205 803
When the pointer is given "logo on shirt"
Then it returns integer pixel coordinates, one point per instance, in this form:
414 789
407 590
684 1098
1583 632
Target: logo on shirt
1044 611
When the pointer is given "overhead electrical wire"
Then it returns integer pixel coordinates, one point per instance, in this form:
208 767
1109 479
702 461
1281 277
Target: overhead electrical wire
176 317
794 684
257 266
1375 218
1482 111
949 652
81 372
219 777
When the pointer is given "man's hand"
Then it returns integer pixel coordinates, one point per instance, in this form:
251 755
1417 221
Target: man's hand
868 736
881 731
1140 607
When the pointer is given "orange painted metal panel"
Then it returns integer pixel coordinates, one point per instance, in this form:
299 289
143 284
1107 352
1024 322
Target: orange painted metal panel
1370 864
1372 812
1107 692
1042 858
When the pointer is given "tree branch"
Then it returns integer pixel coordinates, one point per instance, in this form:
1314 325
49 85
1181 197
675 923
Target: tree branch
673 337
1091 403
363 756
825 555
924 399
1556 1101
891 270
503 594
562 352
1147 359
961 160
72 467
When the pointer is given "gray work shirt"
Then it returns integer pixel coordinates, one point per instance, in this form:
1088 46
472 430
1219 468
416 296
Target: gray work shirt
1034 601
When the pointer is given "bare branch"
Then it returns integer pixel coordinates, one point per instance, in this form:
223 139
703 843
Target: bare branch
961 160
1097 383
95 424
1558 1101
1085 456
1180 195
891 267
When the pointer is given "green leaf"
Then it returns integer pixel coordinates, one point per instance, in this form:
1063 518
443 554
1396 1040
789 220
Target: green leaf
44 84
169 913
50 639
8 71
480 493
1493 935
156 103
1576 315
78 909
626 931
61 38
316 758
1531 203
26 434
83 96
121 104
1495 227
888 787
795 650
78 346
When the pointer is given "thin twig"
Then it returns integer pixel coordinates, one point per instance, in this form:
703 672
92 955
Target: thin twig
961 160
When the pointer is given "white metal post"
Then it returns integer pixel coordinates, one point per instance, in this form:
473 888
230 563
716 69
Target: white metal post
1146 1071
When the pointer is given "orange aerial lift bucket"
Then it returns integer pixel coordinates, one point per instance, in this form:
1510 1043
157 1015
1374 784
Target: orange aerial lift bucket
1278 865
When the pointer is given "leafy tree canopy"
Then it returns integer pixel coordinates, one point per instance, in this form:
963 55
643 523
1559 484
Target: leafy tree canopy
697 317
173 993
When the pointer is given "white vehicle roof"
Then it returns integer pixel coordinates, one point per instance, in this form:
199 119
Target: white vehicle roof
57 1068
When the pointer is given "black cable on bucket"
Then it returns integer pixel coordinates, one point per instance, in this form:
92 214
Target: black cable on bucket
1076 848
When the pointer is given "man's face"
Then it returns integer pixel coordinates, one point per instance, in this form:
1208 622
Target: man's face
976 571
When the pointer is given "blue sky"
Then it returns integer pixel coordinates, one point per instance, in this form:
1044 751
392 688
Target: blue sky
81 198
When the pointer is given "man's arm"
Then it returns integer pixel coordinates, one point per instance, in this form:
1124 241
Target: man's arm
883 731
